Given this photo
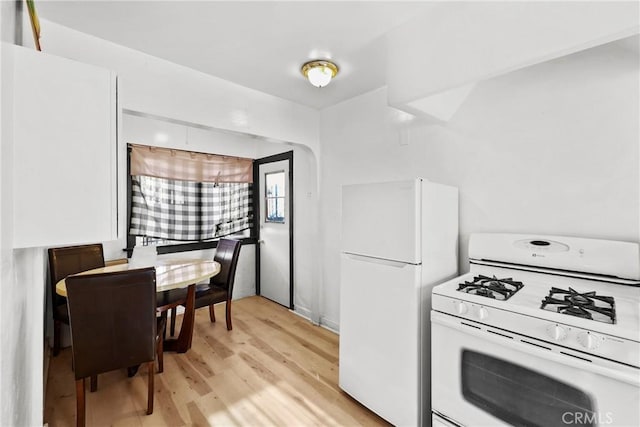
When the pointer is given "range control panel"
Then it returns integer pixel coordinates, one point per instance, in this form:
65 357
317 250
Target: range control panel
584 341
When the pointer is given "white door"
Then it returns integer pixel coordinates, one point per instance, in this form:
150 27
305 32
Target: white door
275 231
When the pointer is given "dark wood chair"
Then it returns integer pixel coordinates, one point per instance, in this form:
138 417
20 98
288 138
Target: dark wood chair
113 325
220 287
62 263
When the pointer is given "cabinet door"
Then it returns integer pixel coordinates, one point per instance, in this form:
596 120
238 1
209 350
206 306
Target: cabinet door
64 169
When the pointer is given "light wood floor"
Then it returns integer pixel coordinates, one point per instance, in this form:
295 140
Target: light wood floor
273 368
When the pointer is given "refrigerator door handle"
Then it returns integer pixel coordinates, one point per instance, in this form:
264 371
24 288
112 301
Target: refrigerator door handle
381 261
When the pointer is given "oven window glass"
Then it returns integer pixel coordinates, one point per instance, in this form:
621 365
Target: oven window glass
520 396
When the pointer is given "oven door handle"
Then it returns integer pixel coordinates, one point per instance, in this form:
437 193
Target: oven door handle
480 330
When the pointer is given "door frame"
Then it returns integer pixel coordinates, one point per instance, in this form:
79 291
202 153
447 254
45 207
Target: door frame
256 206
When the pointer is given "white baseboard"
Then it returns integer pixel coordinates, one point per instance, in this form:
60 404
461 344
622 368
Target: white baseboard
324 322
304 313
242 293
330 325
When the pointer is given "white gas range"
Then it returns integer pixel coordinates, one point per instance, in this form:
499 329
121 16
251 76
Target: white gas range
543 331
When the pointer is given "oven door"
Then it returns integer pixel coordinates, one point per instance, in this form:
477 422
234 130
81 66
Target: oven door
483 376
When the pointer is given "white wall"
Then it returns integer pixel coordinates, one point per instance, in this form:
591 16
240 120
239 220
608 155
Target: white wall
457 43
21 307
548 149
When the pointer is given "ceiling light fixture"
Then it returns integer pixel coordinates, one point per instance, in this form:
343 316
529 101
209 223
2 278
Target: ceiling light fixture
319 72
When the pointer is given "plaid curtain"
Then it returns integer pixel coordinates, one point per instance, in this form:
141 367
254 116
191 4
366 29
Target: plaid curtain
188 211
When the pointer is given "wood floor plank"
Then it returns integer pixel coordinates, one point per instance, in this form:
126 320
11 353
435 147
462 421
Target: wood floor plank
196 416
117 389
273 369
305 356
196 381
303 342
307 381
200 364
165 411
315 371
274 395
212 408
218 347
242 400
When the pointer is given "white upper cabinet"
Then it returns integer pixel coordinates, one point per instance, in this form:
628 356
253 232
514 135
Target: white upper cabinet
64 151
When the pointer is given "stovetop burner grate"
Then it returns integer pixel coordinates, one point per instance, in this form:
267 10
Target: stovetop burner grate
491 287
587 305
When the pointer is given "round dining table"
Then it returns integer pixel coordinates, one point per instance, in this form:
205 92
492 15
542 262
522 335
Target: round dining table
170 274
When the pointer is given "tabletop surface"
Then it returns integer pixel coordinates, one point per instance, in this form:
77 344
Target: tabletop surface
170 273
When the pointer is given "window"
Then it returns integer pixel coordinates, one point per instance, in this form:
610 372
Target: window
275 196
188 211
178 196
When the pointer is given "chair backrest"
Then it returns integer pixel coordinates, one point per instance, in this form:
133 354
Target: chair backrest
71 260
113 320
227 254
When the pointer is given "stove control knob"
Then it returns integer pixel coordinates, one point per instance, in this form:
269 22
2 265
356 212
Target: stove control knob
462 308
589 340
483 313
557 332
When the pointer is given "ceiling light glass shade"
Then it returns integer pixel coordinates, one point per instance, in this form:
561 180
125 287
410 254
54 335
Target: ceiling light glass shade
319 73
319 76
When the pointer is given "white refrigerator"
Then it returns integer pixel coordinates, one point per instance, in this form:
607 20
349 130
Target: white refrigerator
399 239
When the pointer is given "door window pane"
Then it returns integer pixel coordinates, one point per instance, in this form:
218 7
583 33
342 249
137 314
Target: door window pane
275 197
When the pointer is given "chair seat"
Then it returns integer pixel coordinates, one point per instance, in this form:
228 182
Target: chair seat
206 294
209 294
169 299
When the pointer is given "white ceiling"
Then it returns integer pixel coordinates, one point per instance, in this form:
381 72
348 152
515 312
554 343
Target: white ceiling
260 45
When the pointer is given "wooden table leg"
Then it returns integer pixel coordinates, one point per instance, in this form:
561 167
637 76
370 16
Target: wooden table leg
80 403
183 342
